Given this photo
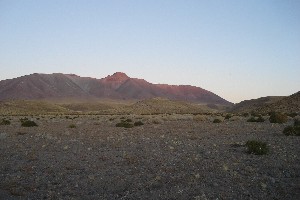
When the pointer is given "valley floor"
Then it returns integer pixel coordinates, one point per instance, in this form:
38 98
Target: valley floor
162 159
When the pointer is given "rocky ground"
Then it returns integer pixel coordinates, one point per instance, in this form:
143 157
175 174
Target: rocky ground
162 159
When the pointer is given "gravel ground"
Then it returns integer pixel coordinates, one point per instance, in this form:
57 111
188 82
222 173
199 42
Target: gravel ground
181 159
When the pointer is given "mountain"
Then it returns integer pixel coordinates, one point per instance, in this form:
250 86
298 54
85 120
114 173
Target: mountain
117 86
287 104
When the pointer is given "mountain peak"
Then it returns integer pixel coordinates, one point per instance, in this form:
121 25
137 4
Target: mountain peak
118 76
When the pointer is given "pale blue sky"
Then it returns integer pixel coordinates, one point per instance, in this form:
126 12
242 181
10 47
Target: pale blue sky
239 49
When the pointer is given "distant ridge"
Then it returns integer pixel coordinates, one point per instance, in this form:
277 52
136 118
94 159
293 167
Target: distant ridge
117 86
287 104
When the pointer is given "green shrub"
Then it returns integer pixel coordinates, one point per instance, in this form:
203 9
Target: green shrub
28 123
72 126
5 122
138 123
217 121
276 117
257 147
124 124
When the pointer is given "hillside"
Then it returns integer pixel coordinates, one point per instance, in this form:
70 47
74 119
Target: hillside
252 104
161 106
287 104
117 86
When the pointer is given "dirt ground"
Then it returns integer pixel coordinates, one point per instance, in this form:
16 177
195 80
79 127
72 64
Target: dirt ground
162 159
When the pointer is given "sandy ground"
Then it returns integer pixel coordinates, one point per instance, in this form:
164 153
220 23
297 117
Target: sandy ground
178 159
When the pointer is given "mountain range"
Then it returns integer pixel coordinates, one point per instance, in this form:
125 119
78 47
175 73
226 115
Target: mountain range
117 86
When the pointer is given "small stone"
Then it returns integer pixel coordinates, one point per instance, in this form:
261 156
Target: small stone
215 184
225 167
263 185
273 180
92 177
66 147
197 176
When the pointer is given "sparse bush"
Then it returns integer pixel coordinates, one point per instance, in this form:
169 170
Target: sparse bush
292 130
276 117
138 123
296 122
72 126
128 120
28 123
5 122
257 147
124 124
251 119
292 114
217 121
256 119
246 114
228 116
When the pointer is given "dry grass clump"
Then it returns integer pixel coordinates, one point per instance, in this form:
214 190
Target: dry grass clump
72 126
292 130
138 123
276 117
199 118
256 119
217 121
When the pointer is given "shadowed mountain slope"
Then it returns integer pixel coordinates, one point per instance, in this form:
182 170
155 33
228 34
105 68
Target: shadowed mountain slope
287 104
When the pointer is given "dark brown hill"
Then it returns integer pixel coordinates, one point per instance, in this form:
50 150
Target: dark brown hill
116 86
287 104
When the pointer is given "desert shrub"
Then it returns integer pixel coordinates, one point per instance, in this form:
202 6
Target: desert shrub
28 123
124 124
255 114
251 119
246 114
72 126
256 119
292 114
276 117
128 120
138 123
5 122
296 122
228 116
217 121
257 147
291 130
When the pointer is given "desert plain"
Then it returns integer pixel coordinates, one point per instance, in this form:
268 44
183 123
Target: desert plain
168 156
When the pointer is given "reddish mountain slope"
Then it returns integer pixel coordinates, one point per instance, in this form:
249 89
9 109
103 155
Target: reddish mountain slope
116 86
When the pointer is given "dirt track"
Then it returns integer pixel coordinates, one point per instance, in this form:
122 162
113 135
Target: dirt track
181 159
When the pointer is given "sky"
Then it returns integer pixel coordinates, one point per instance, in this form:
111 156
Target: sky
238 49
